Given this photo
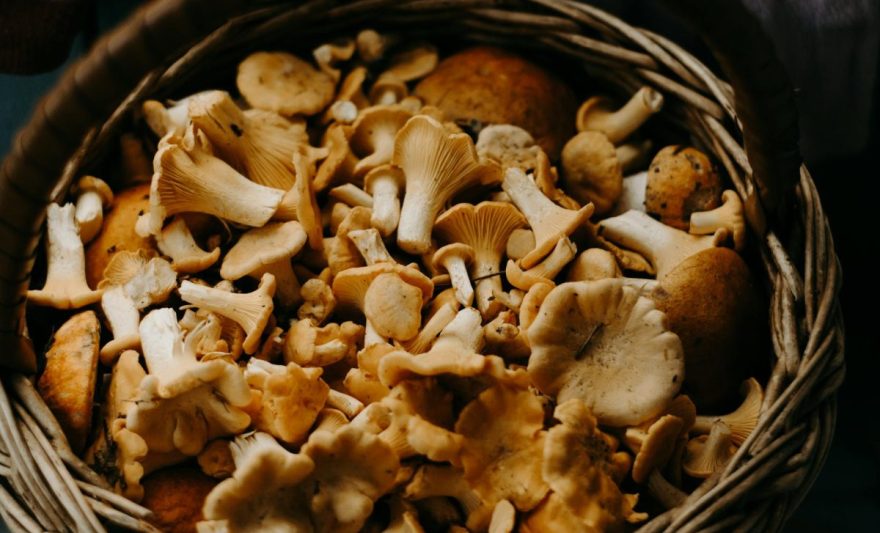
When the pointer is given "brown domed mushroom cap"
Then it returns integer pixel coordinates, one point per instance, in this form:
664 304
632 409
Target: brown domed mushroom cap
712 303
175 496
117 233
681 180
494 86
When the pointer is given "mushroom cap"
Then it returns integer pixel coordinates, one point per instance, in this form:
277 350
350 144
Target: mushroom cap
485 227
175 496
414 62
284 83
376 123
393 306
492 86
591 171
657 447
260 247
601 342
712 303
91 183
384 171
456 249
508 145
706 454
118 233
681 181
594 264
350 286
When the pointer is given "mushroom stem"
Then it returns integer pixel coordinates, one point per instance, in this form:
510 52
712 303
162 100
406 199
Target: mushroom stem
371 246
124 319
251 310
421 343
349 405
458 274
386 203
352 195
544 271
618 125
89 214
663 491
486 287
416 220
743 420
728 216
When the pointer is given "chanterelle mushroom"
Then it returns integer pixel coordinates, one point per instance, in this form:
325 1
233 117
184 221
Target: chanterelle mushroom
729 216
437 165
503 440
266 491
177 242
268 249
548 221
65 286
288 398
284 83
591 171
92 196
485 228
601 342
595 114
384 183
183 403
372 136
256 142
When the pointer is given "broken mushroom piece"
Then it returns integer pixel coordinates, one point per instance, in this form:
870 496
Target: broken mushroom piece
307 211
351 195
307 344
546 270
340 161
187 178
681 180
284 83
729 216
603 343
708 454
591 171
437 165
385 183
548 221
505 338
486 228
596 114
318 301
183 403
92 196
664 246
288 398
255 142
265 491
455 258
177 242
250 310
743 420
65 286
268 249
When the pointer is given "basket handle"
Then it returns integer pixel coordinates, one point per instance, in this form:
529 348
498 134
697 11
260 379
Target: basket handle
764 99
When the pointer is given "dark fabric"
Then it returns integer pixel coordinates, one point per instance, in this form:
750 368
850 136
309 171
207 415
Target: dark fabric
36 35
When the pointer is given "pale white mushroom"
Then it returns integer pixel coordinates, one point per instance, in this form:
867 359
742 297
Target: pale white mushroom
548 221
596 114
66 286
92 196
172 119
249 310
663 246
268 249
177 242
437 165
729 216
385 183
187 178
124 319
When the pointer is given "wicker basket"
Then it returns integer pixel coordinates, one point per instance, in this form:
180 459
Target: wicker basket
172 46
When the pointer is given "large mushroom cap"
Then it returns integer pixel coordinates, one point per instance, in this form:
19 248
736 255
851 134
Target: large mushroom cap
493 86
284 83
261 247
601 342
681 181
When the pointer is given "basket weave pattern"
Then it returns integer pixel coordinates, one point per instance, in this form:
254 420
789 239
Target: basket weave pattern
166 46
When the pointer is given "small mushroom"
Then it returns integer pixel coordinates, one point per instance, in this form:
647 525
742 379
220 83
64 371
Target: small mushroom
329 55
372 136
268 249
307 210
65 286
216 459
288 398
486 228
284 83
708 454
251 310
172 119
664 246
364 386
596 114
505 338
548 221
92 196
591 171
177 242
318 301
340 161
603 343
372 45
455 258
385 183
729 216
408 65
653 447
124 319
437 165
341 252
743 420
309 345
681 181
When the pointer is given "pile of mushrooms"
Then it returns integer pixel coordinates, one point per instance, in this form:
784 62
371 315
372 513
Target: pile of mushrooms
357 299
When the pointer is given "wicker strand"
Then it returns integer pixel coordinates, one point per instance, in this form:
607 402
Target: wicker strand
14 515
114 516
120 502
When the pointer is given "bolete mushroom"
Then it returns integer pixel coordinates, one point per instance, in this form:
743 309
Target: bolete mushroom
596 114
591 171
681 180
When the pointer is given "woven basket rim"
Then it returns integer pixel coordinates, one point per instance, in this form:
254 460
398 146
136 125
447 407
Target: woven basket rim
47 486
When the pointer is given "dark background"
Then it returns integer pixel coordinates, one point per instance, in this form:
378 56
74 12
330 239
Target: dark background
830 51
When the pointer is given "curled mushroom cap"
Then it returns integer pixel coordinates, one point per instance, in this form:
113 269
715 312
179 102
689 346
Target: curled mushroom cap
437 165
289 398
582 466
257 143
596 114
265 491
601 342
329 55
548 221
591 171
504 438
486 228
284 83
65 286
177 242
681 181
743 420
546 270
